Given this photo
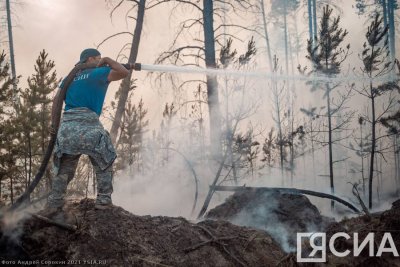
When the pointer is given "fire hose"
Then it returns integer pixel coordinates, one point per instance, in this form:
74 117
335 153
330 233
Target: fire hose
56 122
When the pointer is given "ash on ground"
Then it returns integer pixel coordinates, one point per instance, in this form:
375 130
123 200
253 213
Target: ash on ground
120 238
284 215
281 215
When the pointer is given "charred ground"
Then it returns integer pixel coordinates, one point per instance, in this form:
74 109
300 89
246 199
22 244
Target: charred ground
123 239
119 238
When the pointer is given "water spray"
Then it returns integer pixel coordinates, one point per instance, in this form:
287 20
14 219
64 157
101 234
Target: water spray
257 74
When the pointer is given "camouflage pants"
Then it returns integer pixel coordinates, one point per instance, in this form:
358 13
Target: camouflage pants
66 172
82 133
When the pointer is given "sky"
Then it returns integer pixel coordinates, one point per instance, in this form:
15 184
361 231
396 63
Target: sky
64 28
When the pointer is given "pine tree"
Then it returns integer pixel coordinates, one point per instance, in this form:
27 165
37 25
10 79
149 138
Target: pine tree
326 54
130 142
8 135
34 115
375 57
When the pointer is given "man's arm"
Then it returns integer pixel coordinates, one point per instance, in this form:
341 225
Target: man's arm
117 72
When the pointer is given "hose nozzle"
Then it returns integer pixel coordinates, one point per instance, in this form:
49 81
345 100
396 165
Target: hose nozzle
133 66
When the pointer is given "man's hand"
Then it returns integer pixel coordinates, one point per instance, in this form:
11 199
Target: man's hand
117 72
103 61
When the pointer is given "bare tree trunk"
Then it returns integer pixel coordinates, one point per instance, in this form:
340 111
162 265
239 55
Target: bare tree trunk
279 125
392 32
385 12
313 154
125 86
315 28
212 84
11 44
378 184
310 21
286 37
373 144
266 34
362 159
291 90
212 190
330 143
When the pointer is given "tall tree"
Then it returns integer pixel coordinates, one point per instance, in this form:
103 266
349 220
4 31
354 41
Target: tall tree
11 45
392 5
202 51
34 116
237 145
375 63
8 134
212 84
278 100
140 6
387 9
327 56
125 87
284 8
266 35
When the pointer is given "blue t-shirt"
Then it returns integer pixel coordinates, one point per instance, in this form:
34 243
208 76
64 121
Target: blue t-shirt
88 89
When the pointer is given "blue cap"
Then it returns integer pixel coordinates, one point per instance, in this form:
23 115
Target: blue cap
87 53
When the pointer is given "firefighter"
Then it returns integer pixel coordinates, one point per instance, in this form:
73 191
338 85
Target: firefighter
81 132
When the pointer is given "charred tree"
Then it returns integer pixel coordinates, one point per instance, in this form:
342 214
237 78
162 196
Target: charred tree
125 85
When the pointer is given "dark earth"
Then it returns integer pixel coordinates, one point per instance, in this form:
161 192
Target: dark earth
243 231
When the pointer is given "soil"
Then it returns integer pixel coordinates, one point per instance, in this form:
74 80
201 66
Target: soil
251 228
378 224
115 237
281 215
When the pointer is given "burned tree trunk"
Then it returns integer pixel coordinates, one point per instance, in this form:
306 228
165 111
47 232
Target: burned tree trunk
125 86
212 84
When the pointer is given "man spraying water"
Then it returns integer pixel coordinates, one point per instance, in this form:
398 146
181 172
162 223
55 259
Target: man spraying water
81 132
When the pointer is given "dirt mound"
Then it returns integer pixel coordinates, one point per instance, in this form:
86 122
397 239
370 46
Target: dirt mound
378 224
281 215
115 237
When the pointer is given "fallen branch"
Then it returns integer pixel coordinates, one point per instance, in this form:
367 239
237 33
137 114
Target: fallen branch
211 190
65 226
289 191
215 240
356 193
